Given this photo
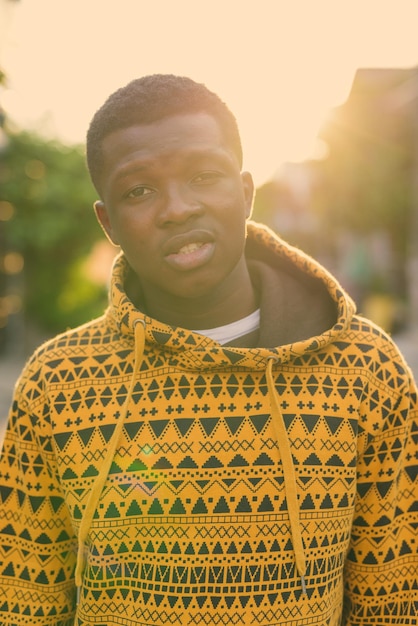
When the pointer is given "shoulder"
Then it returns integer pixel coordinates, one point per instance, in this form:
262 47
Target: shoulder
70 347
377 351
91 333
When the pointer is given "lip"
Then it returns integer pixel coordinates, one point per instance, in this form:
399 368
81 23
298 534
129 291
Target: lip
175 243
181 254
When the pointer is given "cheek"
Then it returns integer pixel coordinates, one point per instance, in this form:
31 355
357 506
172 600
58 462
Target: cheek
131 226
235 213
134 243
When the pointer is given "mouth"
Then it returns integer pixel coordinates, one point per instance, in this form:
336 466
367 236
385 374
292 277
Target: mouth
190 247
189 251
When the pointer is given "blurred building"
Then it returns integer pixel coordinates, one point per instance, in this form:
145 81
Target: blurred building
378 128
356 209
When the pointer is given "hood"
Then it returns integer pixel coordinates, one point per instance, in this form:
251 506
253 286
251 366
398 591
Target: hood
303 308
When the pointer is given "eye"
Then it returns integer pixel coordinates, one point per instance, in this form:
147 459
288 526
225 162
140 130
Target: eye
139 192
206 177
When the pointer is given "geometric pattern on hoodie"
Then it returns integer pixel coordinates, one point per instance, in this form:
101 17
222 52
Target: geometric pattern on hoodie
192 525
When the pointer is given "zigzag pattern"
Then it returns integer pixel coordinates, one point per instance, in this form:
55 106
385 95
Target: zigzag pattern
193 517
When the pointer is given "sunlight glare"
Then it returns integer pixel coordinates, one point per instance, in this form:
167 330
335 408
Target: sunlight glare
280 67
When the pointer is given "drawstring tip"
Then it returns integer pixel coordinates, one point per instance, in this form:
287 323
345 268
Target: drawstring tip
78 595
303 583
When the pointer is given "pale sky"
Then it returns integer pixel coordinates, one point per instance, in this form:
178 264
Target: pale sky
280 66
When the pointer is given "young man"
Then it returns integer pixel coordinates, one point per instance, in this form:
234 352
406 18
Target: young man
229 444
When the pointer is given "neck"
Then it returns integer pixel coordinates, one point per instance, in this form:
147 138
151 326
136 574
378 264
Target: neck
225 304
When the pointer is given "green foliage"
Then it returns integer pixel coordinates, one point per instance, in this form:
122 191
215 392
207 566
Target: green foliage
53 227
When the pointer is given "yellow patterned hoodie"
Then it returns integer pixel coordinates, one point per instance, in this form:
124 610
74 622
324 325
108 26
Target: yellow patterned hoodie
177 481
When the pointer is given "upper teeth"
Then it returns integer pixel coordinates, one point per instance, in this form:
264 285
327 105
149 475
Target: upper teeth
191 247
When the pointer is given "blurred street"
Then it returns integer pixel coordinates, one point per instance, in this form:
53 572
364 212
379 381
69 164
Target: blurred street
10 369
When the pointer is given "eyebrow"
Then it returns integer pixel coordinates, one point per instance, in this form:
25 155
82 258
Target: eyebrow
142 164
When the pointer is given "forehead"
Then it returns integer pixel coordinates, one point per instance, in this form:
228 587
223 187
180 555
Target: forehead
194 132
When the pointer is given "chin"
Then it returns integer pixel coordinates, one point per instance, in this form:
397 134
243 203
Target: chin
195 291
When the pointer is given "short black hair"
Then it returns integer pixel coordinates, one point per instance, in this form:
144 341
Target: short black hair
149 99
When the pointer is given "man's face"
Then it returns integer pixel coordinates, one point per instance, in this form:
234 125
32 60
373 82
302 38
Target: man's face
176 202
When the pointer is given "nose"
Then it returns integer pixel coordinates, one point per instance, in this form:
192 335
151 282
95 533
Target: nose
179 204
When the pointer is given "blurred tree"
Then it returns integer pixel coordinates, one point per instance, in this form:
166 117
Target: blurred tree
48 229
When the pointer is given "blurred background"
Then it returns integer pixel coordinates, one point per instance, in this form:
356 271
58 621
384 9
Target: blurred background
326 96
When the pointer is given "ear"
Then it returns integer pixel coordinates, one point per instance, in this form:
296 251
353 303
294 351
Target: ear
248 187
104 221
